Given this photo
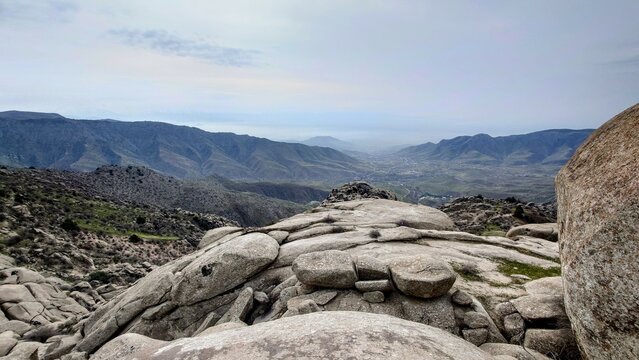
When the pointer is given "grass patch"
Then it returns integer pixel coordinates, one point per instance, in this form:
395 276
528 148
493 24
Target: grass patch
154 237
492 230
508 267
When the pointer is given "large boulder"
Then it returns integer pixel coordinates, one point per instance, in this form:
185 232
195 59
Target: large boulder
598 216
326 335
173 300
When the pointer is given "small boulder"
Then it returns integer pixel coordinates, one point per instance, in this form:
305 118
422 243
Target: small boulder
330 268
475 336
514 325
369 268
461 298
422 276
547 231
542 308
374 285
475 320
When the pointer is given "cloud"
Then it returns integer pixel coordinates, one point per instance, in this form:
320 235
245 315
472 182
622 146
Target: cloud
164 42
627 63
46 10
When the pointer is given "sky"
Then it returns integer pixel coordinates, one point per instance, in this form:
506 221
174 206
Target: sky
369 71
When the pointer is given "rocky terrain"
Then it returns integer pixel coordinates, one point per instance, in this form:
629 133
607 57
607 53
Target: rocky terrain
49 224
369 277
483 216
376 256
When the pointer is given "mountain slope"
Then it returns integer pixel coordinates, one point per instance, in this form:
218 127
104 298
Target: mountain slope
142 186
542 147
52 141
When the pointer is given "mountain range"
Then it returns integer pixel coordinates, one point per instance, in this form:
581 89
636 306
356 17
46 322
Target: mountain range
46 140
554 146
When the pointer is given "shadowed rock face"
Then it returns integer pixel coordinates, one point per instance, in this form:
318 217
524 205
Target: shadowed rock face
327 335
598 215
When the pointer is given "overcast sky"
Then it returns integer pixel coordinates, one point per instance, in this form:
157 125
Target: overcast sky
388 72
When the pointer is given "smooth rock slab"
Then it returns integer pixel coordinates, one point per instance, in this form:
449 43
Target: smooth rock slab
422 276
330 268
229 265
324 335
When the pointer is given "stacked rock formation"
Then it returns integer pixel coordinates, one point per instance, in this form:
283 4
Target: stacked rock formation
40 316
375 256
538 320
598 208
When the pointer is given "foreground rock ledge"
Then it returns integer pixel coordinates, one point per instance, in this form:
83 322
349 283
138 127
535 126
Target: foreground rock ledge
327 335
598 208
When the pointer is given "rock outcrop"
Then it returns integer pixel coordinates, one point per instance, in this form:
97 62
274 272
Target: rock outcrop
598 208
373 256
357 190
41 316
328 335
538 320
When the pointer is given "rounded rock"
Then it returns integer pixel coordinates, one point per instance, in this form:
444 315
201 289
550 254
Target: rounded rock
422 276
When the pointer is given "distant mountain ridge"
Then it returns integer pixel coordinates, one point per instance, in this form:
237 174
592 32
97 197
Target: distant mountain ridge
52 141
552 147
329 141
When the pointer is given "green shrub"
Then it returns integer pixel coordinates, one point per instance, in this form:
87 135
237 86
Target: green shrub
140 220
374 234
69 225
135 239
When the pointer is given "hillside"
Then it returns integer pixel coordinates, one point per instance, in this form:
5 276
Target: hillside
49 224
142 186
543 147
53 141
290 192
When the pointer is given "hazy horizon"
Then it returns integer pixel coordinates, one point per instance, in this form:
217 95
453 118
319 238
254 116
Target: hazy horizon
388 72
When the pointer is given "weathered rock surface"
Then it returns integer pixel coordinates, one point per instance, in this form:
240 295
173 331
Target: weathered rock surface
327 335
547 231
422 276
356 249
515 351
598 216
186 289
